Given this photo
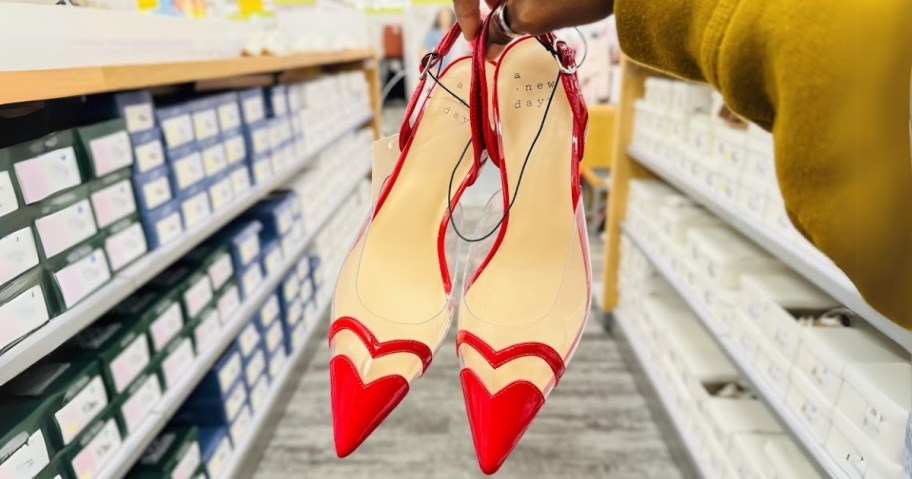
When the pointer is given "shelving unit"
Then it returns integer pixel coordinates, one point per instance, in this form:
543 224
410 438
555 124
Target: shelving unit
811 264
134 445
22 86
59 329
760 386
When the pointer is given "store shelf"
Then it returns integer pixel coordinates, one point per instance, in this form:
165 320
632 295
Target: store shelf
815 267
61 328
135 444
20 86
761 387
673 412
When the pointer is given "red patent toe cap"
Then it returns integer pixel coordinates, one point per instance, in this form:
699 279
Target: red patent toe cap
359 408
498 421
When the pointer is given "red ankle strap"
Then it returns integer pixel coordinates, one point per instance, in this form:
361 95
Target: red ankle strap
429 61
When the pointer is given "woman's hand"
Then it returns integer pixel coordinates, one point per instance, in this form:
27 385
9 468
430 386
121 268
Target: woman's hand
532 17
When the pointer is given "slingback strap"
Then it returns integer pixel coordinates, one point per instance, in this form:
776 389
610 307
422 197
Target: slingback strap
429 61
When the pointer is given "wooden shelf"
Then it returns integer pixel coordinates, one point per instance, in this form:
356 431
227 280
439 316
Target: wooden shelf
32 85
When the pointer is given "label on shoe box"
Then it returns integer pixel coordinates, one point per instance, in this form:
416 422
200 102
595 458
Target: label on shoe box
235 149
299 336
290 288
18 254
28 460
241 424
229 302
76 414
149 156
249 249
274 336
276 362
221 193
262 170
269 312
240 180
205 124
307 289
188 170
48 173
100 449
229 115
198 295
156 192
251 278
255 366
139 117
220 271
215 159
177 363
178 130
76 220
166 326
207 330
235 401
195 209
289 245
284 221
130 362
81 278
215 466
142 399
126 245
229 372
22 314
258 393
8 201
169 227
111 152
295 313
248 339
113 203
272 259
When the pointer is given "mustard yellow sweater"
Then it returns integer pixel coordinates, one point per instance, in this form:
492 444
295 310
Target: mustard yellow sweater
831 79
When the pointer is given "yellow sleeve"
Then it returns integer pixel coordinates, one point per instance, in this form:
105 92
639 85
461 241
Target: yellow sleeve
831 79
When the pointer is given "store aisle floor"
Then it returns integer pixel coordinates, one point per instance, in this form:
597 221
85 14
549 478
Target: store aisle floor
594 425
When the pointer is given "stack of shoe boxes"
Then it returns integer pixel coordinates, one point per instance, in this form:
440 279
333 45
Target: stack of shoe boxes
75 181
175 454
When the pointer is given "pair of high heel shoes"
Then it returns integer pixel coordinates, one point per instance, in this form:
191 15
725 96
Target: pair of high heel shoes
526 291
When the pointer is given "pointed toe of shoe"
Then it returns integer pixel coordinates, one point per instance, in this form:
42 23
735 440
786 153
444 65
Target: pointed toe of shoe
359 408
499 420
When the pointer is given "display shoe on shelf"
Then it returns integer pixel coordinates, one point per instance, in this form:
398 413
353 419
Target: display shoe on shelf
527 286
393 302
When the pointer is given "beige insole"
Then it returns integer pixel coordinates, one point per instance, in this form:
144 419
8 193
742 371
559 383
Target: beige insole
391 281
535 287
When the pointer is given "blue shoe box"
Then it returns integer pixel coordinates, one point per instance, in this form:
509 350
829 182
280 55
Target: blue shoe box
243 237
221 191
262 169
204 112
258 139
272 256
241 181
229 111
153 188
210 410
195 207
186 167
276 99
269 313
255 367
148 150
136 107
176 123
163 224
216 450
248 340
215 158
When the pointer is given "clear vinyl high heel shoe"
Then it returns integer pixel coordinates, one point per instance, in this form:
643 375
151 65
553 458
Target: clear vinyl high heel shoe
527 287
393 301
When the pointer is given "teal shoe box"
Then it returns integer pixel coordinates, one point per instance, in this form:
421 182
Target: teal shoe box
215 259
41 168
106 148
112 198
70 212
192 285
176 360
206 329
87 456
228 301
140 398
25 449
18 244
